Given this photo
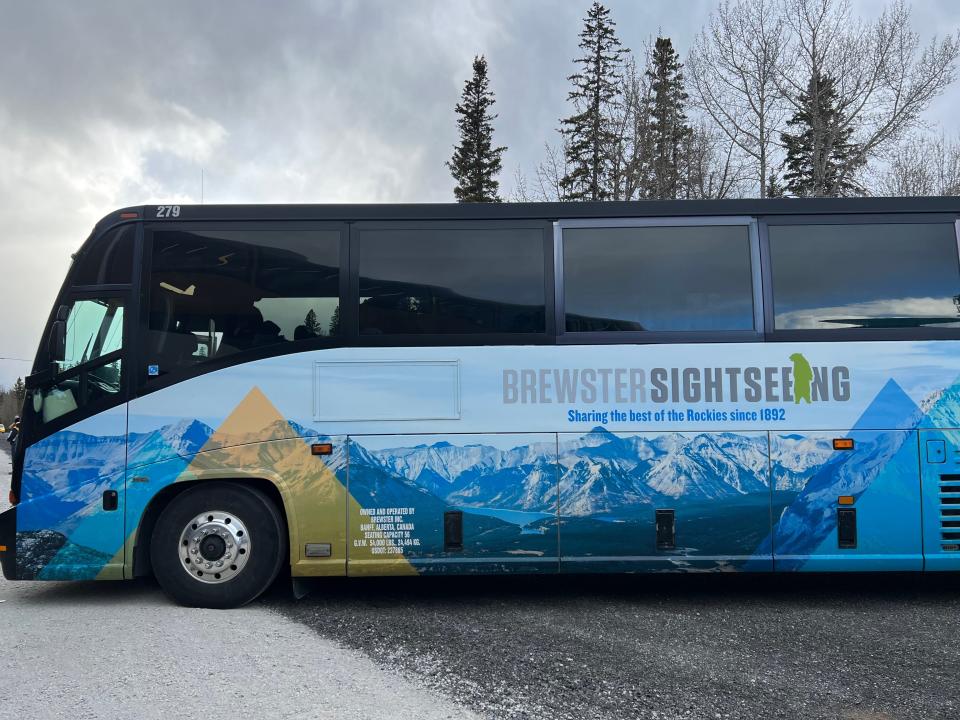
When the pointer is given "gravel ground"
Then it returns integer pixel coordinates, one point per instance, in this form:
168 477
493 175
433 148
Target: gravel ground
852 647
122 650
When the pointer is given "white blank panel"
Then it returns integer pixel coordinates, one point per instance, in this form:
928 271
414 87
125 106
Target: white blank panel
386 390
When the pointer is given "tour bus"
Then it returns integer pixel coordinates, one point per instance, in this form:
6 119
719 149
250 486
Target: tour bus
225 393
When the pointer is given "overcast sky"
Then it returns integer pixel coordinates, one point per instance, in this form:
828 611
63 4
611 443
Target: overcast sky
104 105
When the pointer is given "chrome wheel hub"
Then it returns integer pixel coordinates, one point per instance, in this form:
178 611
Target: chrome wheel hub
214 547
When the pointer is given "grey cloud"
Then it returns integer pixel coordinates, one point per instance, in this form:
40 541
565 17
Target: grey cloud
105 104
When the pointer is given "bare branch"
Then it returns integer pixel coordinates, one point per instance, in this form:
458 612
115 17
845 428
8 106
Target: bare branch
733 70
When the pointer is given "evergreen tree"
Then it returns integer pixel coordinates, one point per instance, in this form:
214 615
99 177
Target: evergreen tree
588 137
311 323
668 121
476 162
335 321
774 188
819 151
20 390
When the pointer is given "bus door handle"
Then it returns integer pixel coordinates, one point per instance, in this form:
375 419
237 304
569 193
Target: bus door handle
110 500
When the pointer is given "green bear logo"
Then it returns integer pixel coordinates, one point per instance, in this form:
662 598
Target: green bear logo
802 376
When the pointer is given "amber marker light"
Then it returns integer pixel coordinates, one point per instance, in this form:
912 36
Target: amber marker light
843 443
322 448
3 548
845 500
129 216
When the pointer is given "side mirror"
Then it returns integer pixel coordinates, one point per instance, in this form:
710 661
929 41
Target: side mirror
57 340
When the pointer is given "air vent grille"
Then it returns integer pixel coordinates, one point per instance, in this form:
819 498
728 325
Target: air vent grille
950 512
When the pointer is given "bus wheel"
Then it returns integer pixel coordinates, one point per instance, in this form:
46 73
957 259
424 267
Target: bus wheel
218 545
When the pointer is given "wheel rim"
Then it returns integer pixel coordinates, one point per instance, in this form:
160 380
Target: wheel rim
214 547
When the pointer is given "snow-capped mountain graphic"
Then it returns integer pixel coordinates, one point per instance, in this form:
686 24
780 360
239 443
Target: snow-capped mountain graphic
596 473
941 409
793 457
529 487
184 439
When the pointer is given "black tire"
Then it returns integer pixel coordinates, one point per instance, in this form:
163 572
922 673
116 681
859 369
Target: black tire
265 528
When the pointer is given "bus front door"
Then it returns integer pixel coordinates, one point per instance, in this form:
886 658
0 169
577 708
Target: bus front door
70 518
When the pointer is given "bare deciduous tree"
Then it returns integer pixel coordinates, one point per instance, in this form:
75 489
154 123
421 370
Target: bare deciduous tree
520 193
631 151
732 71
922 165
628 153
884 78
545 186
714 168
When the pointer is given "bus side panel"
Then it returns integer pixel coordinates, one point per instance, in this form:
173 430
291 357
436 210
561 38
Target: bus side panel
252 443
453 504
666 501
70 520
838 510
940 461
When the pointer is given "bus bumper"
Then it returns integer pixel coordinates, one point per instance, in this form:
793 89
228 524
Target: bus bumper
8 541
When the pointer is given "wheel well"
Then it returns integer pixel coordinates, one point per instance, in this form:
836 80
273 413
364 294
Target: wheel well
141 550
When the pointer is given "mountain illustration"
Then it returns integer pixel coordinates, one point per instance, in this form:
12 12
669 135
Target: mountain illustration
942 408
598 472
810 518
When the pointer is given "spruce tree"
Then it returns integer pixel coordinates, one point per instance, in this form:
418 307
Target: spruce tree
476 162
335 321
312 324
819 149
668 121
19 390
774 188
588 137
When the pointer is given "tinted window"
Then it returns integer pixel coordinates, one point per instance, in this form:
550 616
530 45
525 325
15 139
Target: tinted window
94 329
451 281
216 293
108 260
657 278
879 276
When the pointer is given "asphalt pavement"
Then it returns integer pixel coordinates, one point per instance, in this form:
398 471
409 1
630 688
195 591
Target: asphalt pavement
655 646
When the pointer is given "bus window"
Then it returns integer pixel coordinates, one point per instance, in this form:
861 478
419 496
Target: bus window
657 279
108 261
94 333
896 275
94 329
424 281
216 293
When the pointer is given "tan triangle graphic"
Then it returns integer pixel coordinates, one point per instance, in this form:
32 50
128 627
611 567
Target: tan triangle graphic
254 419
